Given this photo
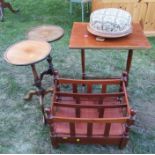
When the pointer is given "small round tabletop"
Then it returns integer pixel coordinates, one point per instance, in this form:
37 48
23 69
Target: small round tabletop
27 52
47 33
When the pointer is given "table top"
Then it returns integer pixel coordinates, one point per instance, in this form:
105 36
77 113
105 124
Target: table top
47 33
27 52
82 39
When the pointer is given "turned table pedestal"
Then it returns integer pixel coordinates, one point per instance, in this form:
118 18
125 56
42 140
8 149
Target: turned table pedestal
32 51
29 53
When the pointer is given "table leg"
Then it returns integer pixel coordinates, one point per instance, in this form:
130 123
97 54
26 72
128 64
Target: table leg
40 92
129 60
8 5
37 81
50 70
83 63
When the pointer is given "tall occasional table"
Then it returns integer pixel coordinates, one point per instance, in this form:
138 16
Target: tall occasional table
48 33
82 39
33 51
29 53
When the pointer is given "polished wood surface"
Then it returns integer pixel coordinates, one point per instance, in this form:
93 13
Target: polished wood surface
47 33
27 52
87 117
82 39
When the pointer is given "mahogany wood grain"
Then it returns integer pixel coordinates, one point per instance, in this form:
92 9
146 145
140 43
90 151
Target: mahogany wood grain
82 39
83 63
79 81
104 120
47 33
69 105
87 120
107 129
72 129
89 129
7 5
74 86
27 52
129 60
104 87
91 96
113 140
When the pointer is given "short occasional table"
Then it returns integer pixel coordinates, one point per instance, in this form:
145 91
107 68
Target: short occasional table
82 39
30 52
48 33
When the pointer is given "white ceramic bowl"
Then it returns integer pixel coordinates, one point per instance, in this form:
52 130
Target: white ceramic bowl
110 23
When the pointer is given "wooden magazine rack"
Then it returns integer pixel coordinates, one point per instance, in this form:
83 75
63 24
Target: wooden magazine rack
80 115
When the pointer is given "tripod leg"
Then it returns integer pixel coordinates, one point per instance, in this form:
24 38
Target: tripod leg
9 6
50 70
30 94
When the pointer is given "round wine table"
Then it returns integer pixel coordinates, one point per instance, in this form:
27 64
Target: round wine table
48 33
30 52
27 52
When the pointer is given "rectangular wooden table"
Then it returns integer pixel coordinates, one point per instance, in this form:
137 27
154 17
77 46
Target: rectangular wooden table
82 39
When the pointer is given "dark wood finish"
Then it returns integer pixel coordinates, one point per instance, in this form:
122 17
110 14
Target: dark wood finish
69 105
74 86
72 129
129 60
31 93
82 39
29 52
83 63
104 88
91 96
88 120
89 129
89 88
4 4
107 129
101 112
78 118
93 82
123 142
35 74
89 140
